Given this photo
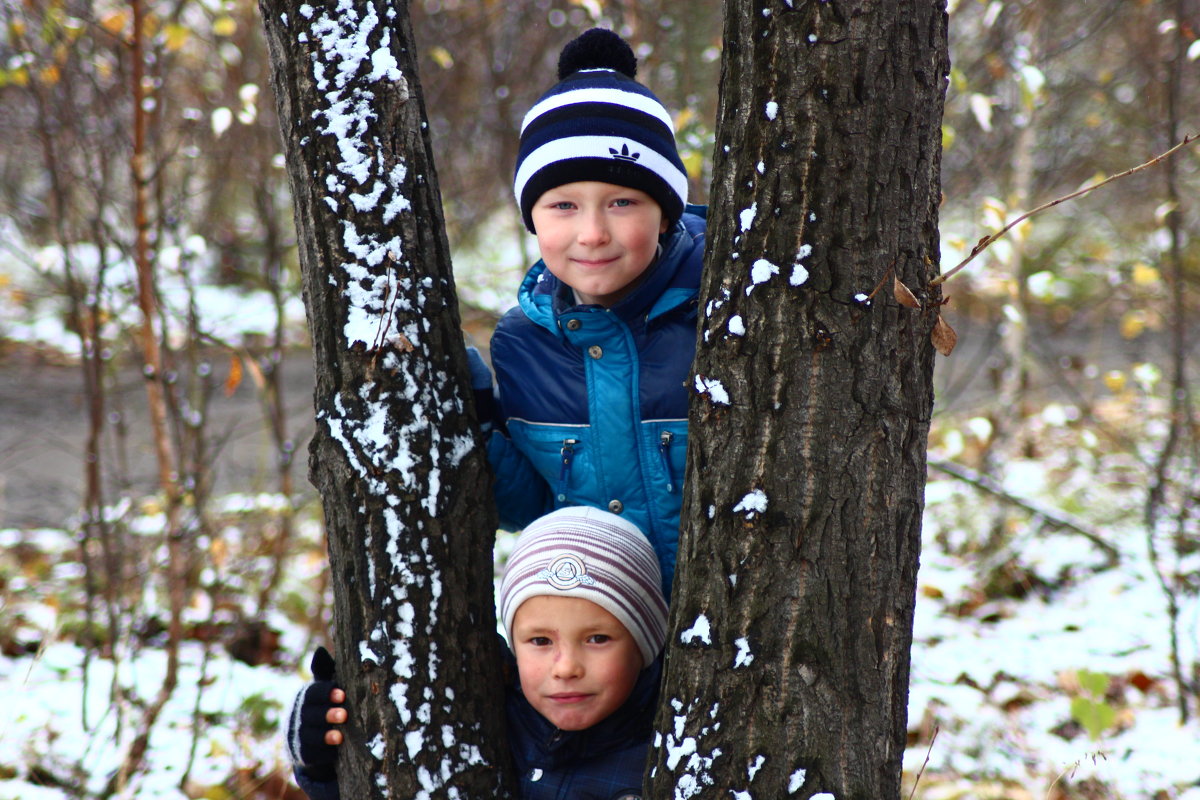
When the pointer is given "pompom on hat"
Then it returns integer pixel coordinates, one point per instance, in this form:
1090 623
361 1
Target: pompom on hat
594 555
599 124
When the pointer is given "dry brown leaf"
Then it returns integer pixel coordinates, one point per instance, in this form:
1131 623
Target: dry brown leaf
234 379
944 338
256 373
904 295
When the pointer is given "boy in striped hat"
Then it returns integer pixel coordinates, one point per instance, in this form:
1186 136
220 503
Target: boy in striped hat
592 367
586 620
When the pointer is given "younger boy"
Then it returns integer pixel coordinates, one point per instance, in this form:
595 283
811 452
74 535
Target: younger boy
592 367
585 616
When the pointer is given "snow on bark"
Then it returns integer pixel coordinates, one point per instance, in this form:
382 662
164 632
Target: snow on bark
351 40
686 755
699 630
754 502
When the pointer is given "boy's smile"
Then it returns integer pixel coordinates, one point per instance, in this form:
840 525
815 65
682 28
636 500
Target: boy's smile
598 238
577 662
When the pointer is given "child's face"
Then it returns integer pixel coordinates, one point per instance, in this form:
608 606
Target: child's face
598 238
577 662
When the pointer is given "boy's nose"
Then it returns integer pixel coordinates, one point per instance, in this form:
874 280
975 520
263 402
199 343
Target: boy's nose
593 230
567 664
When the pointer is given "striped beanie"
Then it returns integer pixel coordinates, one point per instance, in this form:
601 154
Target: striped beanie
599 124
594 555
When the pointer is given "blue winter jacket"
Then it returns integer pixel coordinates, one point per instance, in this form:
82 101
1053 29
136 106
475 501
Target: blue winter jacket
594 401
603 762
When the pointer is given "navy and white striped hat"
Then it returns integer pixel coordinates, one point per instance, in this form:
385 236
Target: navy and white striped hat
599 124
595 555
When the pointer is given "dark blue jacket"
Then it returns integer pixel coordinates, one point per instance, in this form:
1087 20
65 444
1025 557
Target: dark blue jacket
594 401
603 762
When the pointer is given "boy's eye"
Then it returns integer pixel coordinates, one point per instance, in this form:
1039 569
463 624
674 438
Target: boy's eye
599 638
562 205
540 641
623 202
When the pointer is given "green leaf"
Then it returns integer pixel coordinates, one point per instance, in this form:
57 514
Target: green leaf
1095 716
1094 683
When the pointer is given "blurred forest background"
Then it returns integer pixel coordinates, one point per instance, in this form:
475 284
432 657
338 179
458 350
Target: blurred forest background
153 361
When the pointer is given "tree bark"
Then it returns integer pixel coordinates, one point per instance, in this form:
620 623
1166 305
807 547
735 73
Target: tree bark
396 455
787 674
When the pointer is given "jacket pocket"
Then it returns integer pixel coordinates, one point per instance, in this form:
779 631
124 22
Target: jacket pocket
562 456
669 439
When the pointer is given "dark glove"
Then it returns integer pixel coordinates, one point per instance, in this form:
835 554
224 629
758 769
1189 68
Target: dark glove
307 726
481 387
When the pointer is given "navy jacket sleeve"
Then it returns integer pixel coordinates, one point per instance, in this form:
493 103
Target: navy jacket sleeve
317 790
521 494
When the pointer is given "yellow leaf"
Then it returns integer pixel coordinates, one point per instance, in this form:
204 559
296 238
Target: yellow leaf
948 136
1144 274
224 26
16 28
1114 379
177 36
1099 177
114 22
995 213
219 552
441 56
49 75
1133 324
19 77
1101 251
693 162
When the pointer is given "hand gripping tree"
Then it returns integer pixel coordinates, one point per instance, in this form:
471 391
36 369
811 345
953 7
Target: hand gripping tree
787 675
395 456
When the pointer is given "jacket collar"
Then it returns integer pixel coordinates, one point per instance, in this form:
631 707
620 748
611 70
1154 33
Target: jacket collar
549 748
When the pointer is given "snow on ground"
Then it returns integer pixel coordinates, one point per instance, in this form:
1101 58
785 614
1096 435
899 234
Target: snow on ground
997 677
46 696
998 691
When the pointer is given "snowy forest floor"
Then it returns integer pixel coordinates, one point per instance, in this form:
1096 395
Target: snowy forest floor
1041 665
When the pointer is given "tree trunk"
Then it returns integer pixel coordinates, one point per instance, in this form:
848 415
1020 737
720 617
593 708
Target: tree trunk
395 456
787 674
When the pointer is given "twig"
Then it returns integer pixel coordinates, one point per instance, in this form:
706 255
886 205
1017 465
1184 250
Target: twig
991 239
921 771
1052 516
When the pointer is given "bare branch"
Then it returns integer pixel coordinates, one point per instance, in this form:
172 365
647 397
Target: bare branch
1051 516
990 239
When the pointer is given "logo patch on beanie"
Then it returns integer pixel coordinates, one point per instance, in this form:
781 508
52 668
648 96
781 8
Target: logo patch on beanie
567 572
624 154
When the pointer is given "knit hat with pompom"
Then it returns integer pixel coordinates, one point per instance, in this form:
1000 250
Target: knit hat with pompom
599 124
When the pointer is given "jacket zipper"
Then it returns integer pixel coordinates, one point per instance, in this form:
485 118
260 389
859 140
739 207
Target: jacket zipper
664 444
566 457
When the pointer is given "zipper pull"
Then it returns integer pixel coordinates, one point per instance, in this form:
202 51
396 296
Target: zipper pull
566 457
664 443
